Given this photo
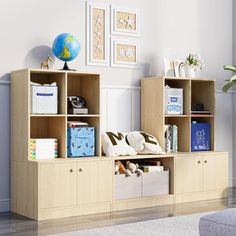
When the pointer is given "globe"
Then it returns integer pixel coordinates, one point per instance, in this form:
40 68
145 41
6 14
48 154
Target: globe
66 47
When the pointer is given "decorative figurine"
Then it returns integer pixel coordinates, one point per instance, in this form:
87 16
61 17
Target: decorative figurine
46 63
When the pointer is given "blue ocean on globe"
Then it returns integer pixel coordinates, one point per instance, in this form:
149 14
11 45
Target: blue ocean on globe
66 47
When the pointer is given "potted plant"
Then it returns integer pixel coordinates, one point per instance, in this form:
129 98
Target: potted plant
193 63
232 80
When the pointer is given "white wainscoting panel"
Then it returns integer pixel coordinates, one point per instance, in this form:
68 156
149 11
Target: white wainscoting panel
120 108
224 127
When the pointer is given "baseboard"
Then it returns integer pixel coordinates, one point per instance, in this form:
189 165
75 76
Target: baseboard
233 182
4 205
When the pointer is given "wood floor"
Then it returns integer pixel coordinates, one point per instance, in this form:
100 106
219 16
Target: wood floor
12 224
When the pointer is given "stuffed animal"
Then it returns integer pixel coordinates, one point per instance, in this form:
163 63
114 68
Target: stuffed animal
133 168
121 169
117 169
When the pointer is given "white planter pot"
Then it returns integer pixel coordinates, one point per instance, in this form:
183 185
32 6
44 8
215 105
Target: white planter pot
189 72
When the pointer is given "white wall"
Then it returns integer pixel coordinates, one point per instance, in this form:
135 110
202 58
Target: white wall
29 27
203 26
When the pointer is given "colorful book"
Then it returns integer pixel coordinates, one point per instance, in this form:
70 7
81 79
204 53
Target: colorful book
43 149
174 138
171 138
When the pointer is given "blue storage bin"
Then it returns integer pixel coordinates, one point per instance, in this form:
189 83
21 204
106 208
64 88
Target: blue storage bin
200 137
81 142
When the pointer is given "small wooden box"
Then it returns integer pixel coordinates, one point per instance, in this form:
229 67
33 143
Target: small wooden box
127 187
155 183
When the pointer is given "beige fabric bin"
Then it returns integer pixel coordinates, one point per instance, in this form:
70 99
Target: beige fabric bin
127 187
155 183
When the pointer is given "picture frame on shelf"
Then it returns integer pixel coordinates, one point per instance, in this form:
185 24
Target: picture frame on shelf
179 68
124 53
174 64
98 26
125 21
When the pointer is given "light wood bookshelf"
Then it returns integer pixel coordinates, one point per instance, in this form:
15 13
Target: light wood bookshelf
66 187
153 117
55 125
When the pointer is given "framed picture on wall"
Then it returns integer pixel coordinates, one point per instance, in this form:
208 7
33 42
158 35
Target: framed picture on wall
124 53
125 21
98 44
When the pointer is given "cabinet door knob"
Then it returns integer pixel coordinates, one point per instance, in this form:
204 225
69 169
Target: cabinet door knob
71 170
199 162
80 170
205 161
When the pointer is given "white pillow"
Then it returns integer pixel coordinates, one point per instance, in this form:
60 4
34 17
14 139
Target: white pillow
144 143
114 144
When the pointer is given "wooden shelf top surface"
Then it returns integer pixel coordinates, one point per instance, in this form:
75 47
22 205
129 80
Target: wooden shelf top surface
178 116
148 156
180 79
54 71
64 115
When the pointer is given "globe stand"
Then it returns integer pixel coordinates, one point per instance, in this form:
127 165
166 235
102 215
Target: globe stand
66 67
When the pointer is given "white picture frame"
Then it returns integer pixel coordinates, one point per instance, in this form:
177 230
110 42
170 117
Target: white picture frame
125 53
125 21
98 42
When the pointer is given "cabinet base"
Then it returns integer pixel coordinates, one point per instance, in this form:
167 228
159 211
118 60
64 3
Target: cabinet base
129 204
48 214
200 196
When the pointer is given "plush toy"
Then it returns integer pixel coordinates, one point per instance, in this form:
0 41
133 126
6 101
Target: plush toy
133 168
117 169
143 143
121 169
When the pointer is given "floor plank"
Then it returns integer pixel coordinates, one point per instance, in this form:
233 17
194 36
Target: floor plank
14 225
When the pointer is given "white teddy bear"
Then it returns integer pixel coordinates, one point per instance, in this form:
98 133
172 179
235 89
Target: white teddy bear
133 168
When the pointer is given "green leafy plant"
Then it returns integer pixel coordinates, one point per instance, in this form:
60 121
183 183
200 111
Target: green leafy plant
194 61
232 80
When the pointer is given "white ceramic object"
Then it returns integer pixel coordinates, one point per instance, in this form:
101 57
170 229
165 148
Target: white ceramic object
189 71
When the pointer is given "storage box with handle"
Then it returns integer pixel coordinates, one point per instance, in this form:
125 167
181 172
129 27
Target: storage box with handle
155 183
44 99
81 142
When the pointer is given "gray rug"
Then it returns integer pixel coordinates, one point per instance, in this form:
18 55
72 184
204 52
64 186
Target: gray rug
186 225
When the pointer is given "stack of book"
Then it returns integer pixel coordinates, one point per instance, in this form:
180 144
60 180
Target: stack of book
43 149
151 166
75 124
171 138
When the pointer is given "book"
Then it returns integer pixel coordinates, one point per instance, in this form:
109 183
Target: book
174 138
80 110
167 139
43 149
74 124
171 138
201 112
147 169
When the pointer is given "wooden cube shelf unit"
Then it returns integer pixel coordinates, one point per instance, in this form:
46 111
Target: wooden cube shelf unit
66 187
195 91
69 83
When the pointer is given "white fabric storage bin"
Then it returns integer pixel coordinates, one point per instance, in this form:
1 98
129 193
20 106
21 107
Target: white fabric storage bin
174 101
127 186
44 99
155 183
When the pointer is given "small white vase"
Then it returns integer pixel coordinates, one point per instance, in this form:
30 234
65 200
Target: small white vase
189 71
